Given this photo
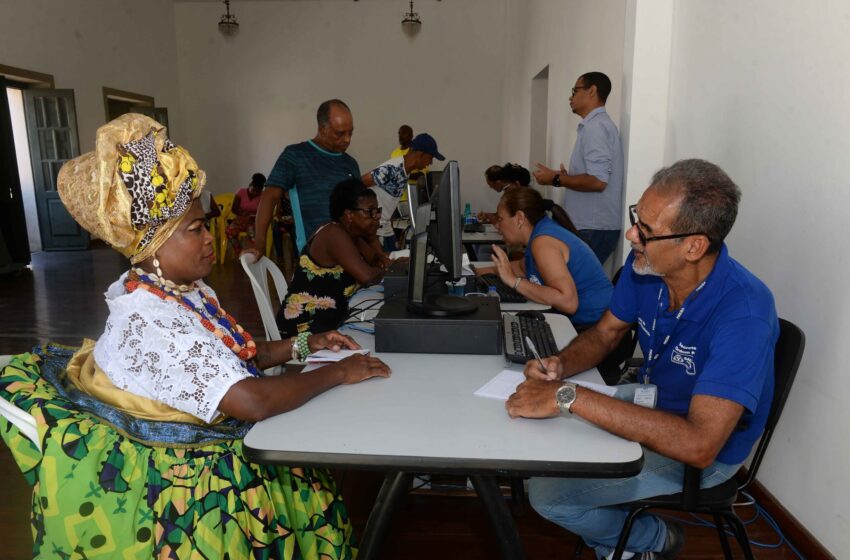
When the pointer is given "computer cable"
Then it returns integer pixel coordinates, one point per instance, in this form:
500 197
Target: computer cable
759 512
354 311
353 327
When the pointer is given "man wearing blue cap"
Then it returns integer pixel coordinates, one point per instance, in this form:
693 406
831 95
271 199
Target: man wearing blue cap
389 179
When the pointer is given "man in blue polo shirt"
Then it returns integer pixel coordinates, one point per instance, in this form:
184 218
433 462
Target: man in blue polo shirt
707 328
307 172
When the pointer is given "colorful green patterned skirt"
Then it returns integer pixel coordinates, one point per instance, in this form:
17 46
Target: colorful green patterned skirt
100 492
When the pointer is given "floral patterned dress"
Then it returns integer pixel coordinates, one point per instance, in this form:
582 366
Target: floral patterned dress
317 299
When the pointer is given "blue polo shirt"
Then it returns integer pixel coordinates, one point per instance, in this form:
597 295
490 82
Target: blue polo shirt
592 286
721 346
310 173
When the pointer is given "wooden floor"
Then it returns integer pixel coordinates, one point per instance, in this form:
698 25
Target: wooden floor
61 299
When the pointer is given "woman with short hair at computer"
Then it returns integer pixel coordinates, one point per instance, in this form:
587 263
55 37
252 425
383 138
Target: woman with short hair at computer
559 269
339 257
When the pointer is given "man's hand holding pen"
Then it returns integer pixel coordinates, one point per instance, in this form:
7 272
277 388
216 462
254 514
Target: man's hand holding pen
546 369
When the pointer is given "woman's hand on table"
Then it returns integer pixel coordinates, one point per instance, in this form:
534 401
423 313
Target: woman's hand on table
358 368
332 340
487 217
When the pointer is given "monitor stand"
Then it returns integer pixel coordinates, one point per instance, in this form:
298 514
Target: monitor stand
443 305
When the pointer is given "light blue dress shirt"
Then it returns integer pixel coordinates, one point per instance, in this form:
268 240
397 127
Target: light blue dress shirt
597 152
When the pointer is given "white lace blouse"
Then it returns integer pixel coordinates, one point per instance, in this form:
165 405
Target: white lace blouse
160 350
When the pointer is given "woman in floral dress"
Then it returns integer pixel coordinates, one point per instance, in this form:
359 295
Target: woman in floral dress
341 256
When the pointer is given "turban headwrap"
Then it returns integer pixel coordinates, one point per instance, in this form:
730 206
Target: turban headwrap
135 187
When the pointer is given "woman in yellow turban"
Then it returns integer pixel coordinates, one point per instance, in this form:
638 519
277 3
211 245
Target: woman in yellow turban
139 450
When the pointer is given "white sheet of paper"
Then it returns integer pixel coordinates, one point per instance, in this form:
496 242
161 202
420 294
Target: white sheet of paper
400 253
331 356
466 269
505 383
502 386
598 387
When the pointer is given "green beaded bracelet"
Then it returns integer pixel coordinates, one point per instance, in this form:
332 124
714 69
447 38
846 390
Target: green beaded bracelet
303 345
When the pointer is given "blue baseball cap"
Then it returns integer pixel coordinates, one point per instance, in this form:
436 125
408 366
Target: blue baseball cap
425 143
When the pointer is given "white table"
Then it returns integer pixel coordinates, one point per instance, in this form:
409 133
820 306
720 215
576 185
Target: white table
425 418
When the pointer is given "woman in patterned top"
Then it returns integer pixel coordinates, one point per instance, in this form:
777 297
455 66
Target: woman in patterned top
139 444
342 255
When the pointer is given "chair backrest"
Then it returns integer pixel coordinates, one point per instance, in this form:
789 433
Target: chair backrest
787 356
225 204
258 273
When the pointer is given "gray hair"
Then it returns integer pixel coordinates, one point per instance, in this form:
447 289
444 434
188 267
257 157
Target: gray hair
709 198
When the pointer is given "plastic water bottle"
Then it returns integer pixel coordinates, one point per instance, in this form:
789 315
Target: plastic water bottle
467 214
493 293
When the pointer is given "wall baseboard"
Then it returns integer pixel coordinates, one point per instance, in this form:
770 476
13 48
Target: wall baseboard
794 531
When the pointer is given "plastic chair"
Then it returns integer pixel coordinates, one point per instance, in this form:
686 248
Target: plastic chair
258 273
225 204
718 501
24 421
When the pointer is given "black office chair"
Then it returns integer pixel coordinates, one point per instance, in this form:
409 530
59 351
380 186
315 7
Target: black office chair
718 500
618 361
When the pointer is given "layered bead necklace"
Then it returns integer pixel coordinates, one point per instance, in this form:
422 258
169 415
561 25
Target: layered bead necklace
227 330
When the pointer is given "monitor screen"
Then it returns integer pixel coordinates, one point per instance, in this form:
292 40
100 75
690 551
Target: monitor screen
445 231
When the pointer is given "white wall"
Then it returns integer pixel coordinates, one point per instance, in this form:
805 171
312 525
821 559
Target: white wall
247 97
762 89
572 37
88 44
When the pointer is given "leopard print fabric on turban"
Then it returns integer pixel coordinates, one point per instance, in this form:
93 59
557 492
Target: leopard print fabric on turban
143 175
134 189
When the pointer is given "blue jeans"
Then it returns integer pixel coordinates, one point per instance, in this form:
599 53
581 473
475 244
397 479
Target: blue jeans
601 241
589 507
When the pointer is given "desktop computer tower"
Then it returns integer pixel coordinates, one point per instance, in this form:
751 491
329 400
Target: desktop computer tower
398 329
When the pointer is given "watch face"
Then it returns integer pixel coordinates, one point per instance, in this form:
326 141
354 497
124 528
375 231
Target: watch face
565 396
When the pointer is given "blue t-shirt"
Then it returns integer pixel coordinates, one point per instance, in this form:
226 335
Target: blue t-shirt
310 173
592 286
722 346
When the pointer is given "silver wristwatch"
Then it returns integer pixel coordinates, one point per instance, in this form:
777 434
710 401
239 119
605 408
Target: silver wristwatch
565 396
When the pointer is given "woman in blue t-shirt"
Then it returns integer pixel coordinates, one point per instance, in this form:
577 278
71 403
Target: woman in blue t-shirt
559 269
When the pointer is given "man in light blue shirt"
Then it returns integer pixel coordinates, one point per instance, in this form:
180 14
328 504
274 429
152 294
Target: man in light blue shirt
594 180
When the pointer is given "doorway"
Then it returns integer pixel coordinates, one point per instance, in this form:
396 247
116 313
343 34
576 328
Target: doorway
539 121
118 102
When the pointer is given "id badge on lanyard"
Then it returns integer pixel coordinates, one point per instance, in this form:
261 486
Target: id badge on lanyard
646 392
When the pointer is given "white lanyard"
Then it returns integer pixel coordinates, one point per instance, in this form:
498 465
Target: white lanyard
653 355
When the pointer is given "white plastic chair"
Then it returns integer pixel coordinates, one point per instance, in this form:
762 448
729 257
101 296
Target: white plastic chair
23 420
258 273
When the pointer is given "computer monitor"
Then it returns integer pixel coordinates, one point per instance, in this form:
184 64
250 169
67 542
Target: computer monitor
412 204
446 230
437 304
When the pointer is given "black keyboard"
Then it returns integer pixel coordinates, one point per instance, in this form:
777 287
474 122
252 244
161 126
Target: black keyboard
473 228
506 293
516 328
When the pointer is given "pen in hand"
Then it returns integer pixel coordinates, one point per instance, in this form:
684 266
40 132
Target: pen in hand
536 355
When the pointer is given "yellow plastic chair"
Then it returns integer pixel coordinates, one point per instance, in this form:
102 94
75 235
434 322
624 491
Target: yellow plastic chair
225 203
